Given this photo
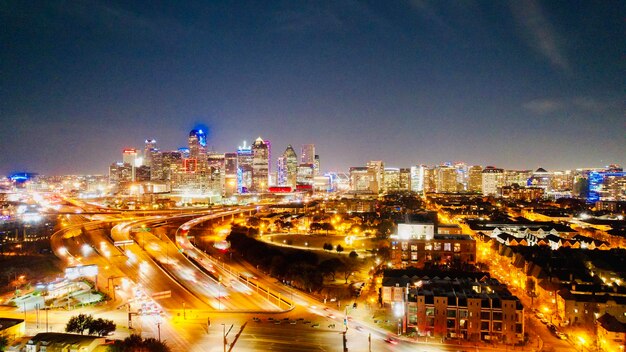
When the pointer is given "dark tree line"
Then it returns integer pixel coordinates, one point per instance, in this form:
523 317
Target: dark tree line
301 268
82 322
134 343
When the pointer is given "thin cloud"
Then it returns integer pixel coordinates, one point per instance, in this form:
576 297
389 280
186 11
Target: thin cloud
583 104
116 19
538 31
544 106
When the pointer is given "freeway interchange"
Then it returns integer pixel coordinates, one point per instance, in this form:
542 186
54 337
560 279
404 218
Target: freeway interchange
167 288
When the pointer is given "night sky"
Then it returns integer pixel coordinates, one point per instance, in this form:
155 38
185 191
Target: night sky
517 84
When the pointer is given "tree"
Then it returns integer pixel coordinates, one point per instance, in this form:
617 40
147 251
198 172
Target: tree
353 255
4 342
328 246
79 323
348 267
339 248
330 267
101 327
134 343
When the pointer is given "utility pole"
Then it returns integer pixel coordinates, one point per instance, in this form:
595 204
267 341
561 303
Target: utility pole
224 336
158 324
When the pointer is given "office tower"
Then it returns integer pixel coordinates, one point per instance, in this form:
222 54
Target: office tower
378 169
288 168
260 166
305 174
244 168
268 143
475 178
542 179
167 160
317 165
492 179
405 179
461 176
517 177
216 173
446 179
142 173
307 155
129 156
197 144
392 179
148 149
120 175
230 174
607 186
417 178
363 180
430 184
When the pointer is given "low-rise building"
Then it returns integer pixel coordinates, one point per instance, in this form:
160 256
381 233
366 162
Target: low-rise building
467 306
611 334
12 328
54 341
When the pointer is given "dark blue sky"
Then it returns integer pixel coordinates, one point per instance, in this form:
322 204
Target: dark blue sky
516 84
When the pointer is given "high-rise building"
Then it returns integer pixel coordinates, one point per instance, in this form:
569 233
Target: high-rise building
362 179
305 174
197 144
129 156
120 174
607 186
307 155
317 165
517 177
417 178
230 174
260 166
216 173
430 184
475 179
405 179
244 168
378 169
392 179
148 150
446 179
493 178
288 168
167 160
461 176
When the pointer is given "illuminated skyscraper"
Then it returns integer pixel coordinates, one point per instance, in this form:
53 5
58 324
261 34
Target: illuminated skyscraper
148 149
378 169
492 179
260 166
129 156
230 174
392 179
475 179
307 155
446 179
288 168
417 178
197 144
244 168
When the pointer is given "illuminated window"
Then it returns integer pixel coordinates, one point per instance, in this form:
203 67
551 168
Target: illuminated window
457 247
447 247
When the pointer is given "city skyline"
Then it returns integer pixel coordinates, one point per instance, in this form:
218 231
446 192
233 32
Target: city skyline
512 84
